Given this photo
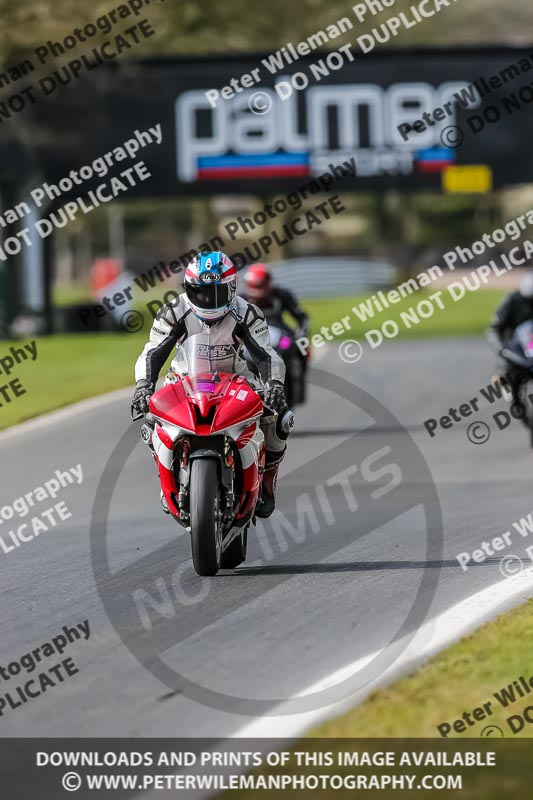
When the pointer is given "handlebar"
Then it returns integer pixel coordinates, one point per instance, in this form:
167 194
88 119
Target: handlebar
286 421
148 417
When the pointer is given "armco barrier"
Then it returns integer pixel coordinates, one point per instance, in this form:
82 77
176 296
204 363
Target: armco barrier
332 277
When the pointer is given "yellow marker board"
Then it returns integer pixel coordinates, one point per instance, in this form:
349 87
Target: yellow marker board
467 179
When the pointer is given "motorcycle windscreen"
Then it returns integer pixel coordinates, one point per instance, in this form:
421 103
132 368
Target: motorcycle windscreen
208 352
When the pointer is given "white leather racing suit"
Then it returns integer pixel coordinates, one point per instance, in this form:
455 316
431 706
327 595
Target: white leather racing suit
244 325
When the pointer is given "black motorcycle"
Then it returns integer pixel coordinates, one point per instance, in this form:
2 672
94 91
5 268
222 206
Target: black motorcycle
518 353
283 340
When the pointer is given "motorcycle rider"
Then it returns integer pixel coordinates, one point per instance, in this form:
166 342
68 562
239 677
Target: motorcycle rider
273 302
271 299
515 309
210 303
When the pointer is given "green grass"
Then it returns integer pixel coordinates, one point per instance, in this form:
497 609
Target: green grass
73 367
67 295
468 317
67 369
462 678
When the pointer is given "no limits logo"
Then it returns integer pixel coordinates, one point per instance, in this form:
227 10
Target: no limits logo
157 603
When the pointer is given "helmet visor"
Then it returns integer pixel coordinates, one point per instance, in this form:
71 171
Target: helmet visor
208 297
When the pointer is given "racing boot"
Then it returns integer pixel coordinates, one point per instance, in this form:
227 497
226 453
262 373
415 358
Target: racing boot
164 504
270 477
510 386
500 380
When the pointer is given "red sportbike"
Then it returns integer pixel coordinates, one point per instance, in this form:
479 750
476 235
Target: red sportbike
210 451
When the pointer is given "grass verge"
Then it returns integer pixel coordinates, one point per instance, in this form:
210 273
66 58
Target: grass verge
462 678
68 369
467 317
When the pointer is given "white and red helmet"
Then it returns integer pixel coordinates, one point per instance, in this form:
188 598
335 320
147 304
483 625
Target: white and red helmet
258 283
211 285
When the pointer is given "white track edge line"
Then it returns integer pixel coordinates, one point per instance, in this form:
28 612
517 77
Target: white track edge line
61 414
438 633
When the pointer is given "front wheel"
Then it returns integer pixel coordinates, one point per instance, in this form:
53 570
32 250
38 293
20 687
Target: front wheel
235 554
529 415
205 517
525 413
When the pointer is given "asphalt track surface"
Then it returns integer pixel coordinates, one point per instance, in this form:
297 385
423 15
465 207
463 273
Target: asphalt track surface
297 611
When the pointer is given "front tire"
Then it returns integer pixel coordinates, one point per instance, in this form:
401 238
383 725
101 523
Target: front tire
205 526
235 554
295 376
528 414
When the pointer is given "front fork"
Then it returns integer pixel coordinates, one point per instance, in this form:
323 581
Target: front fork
183 480
183 456
226 472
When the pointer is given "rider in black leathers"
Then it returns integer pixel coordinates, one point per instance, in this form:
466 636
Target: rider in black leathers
515 309
272 300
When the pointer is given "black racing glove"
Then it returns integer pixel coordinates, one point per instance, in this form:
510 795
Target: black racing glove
275 395
141 396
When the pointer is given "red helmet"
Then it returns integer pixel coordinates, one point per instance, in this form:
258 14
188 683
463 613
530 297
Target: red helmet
258 282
